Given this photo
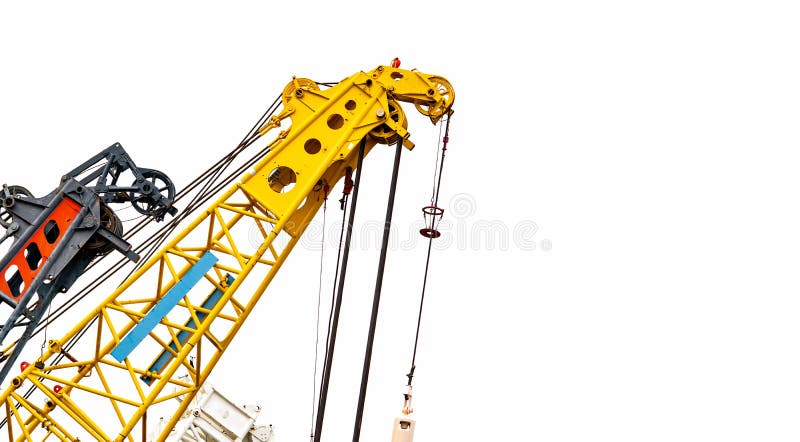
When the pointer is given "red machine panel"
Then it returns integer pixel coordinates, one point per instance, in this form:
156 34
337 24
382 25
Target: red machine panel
24 267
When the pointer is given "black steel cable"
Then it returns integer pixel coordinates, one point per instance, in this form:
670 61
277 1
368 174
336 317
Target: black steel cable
215 171
333 292
436 167
336 271
376 300
319 305
428 257
323 396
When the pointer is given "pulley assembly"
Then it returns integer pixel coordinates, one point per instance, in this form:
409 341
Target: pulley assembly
57 236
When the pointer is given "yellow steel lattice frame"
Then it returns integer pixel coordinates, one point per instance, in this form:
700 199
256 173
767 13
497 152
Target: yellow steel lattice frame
250 229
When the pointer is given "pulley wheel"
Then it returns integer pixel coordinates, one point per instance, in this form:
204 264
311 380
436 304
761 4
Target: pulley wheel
108 219
158 193
386 135
437 110
297 87
14 192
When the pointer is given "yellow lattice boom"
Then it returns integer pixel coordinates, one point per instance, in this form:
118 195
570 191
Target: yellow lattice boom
159 335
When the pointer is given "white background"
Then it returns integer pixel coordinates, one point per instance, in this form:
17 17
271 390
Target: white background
653 146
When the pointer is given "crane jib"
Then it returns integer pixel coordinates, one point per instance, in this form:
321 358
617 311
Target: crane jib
152 328
160 310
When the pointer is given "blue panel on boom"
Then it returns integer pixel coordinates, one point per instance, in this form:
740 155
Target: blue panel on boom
183 336
167 303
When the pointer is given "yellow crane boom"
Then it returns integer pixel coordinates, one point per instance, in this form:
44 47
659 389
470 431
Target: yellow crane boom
179 312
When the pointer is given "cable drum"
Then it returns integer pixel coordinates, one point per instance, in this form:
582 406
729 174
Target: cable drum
110 221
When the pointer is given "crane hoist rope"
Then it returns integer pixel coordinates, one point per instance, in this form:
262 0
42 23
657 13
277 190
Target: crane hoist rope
190 298
339 287
333 311
319 307
433 214
365 371
404 426
347 189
